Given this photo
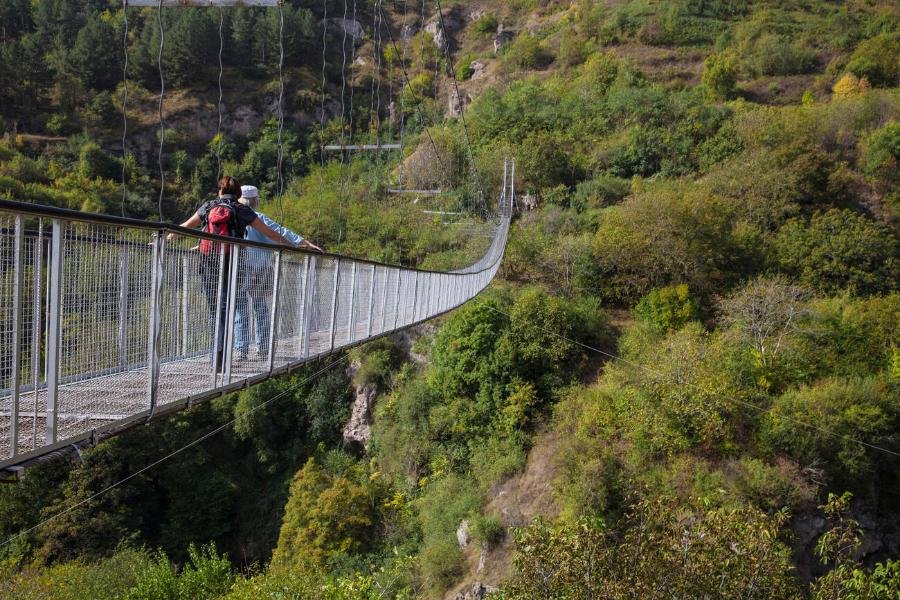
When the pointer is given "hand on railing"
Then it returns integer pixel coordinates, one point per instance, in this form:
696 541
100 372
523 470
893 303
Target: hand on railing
307 245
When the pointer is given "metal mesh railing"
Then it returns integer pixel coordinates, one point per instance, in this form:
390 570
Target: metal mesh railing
107 323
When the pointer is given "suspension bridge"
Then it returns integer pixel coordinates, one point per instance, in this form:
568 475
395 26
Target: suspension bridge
110 322
106 322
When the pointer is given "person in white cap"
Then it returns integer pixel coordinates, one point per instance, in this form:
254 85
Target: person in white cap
257 279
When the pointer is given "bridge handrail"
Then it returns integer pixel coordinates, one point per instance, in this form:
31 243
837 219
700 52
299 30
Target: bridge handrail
40 210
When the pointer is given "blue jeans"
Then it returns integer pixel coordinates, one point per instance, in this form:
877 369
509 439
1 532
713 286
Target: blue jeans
252 294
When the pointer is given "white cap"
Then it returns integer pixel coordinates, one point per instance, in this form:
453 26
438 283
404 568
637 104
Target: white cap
249 191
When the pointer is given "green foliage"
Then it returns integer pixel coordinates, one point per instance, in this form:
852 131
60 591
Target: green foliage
844 412
720 75
838 547
882 153
326 516
668 308
319 409
489 530
486 24
464 69
128 574
876 60
600 191
442 508
526 52
839 250
689 551
378 361
662 236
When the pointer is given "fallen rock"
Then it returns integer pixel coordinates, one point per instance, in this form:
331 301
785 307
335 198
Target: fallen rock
462 534
456 104
503 37
358 430
479 69
479 591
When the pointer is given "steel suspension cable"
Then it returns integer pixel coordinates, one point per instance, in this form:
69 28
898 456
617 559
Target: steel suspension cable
352 62
124 106
462 112
324 82
162 93
379 49
218 137
418 98
280 192
322 108
174 453
341 171
403 102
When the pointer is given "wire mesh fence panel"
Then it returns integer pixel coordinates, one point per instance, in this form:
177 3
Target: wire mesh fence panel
185 336
322 305
288 342
31 376
404 290
344 303
364 281
378 292
255 286
389 305
102 336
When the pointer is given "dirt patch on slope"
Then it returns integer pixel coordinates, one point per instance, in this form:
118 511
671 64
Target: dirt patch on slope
516 502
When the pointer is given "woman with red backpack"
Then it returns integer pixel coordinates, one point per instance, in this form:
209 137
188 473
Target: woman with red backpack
223 215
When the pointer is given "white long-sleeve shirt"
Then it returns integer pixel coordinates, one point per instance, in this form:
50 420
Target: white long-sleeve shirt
258 258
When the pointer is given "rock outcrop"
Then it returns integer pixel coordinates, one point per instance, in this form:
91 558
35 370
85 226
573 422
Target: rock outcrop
358 430
479 591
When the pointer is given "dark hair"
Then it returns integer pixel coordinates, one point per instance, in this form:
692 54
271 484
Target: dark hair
230 185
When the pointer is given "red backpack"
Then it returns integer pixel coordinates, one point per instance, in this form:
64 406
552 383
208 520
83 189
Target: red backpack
221 219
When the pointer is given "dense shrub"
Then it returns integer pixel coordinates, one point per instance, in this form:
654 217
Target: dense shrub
882 153
876 60
839 250
526 52
663 237
486 24
687 551
844 412
720 75
325 516
600 191
668 308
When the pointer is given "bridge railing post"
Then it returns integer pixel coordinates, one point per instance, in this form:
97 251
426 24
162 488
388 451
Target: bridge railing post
53 330
217 342
185 304
18 290
397 298
308 294
123 307
334 299
157 274
415 303
276 303
371 302
351 321
231 306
